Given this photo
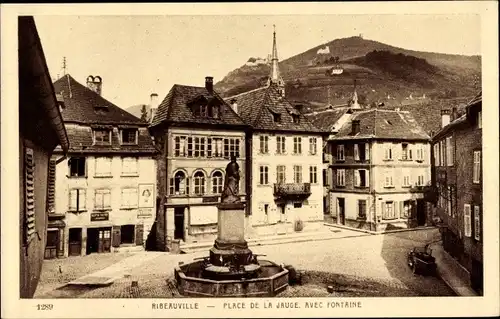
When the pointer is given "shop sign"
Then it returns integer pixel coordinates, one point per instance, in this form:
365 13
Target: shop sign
95 217
145 213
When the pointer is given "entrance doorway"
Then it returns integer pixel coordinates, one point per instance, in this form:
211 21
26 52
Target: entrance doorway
282 212
420 213
179 222
52 244
98 240
341 206
75 242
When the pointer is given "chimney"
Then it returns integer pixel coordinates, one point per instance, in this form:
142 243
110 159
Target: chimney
454 113
234 105
355 127
445 118
209 84
153 106
95 83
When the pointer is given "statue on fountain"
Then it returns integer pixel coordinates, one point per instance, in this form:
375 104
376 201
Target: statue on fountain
230 194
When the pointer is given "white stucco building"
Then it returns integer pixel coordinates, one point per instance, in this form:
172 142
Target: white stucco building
104 190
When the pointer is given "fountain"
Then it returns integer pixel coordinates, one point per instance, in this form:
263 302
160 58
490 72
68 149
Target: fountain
231 270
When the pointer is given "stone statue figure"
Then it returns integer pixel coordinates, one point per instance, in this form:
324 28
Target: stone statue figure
230 194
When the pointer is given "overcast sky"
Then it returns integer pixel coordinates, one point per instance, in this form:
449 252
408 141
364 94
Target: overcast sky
138 55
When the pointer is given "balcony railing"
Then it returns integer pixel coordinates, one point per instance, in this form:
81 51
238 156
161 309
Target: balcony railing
292 189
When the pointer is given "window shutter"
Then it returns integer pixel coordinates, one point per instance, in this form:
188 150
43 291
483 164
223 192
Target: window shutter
402 210
356 152
395 207
356 178
29 179
382 210
117 236
367 178
477 223
467 221
139 234
51 180
367 151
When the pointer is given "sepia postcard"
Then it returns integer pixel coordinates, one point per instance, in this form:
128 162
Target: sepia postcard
250 160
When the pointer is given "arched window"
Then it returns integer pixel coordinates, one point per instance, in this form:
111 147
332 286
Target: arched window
217 182
199 183
179 184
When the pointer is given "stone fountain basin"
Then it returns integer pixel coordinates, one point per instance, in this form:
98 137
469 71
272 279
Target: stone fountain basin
271 279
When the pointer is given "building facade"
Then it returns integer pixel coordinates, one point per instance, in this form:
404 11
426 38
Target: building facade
380 166
457 180
286 159
104 190
41 129
197 133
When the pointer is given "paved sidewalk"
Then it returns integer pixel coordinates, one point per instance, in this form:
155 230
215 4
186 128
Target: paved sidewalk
451 272
116 271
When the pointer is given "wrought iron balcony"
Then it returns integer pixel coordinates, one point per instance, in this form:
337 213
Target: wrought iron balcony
292 189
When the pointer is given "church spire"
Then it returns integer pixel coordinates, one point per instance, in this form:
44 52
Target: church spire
275 71
275 77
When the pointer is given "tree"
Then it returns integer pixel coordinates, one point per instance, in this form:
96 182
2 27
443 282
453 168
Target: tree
144 113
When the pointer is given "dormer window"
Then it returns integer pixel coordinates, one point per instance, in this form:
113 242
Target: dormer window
102 137
276 118
215 111
203 110
129 136
296 118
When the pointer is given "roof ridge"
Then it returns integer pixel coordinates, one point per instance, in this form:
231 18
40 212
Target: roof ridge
243 93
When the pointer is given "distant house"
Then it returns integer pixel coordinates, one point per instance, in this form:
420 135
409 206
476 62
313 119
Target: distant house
380 163
196 132
41 129
105 188
457 180
325 50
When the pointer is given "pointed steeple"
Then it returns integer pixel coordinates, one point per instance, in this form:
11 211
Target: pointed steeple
275 71
275 77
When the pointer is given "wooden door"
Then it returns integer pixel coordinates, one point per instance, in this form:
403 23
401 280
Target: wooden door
341 205
117 236
75 241
282 212
139 234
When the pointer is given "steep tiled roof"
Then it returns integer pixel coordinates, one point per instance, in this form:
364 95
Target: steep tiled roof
256 107
428 114
459 121
174 107
80 140
383 124
85 109
82 105
326 119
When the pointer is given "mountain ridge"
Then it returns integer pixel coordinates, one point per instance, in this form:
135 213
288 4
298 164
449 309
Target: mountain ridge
305 74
